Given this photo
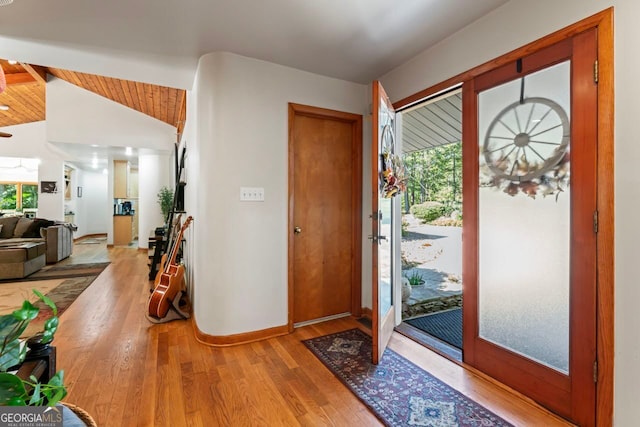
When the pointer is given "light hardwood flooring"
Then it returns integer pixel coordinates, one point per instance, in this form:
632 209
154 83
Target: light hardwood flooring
126 371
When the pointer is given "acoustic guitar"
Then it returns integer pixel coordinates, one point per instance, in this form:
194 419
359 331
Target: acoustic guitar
165 256
169 282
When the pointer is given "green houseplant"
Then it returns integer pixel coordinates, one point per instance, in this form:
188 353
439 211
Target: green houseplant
15 391
165 200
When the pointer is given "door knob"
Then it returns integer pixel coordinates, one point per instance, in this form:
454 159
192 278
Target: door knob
297 230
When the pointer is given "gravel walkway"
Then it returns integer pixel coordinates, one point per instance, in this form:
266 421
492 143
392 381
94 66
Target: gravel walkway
435 254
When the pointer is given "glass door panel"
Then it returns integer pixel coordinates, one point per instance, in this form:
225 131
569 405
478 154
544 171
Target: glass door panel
524 216
383 138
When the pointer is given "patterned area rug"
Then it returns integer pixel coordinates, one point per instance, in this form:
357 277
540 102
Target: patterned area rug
62 284
398 392
445 325
66 271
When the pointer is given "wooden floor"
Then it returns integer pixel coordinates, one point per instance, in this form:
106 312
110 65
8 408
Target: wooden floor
127 372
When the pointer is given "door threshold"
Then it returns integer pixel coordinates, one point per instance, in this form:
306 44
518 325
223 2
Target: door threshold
321 319
442 348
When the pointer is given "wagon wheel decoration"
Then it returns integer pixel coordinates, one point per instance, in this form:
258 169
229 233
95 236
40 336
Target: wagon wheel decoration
526 140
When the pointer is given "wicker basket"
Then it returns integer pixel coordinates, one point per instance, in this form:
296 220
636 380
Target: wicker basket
82 414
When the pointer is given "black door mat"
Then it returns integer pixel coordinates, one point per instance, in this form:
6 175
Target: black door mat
445 325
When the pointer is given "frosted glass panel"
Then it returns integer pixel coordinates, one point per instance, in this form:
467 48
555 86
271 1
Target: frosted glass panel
384 256
524 216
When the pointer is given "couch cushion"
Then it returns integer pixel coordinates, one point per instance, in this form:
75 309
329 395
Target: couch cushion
21 252
8 226
22 226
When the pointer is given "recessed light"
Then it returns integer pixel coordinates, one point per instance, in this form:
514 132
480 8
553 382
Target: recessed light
5 2
4 107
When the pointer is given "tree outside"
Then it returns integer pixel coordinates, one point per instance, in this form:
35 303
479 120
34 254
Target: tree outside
29 196
8 196
434 175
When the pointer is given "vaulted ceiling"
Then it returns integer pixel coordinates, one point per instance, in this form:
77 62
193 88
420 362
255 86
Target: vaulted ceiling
26 94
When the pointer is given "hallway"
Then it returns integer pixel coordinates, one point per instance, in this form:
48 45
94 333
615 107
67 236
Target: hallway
127 372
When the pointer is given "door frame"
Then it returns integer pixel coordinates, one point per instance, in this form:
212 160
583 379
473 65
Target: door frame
356 201
603 22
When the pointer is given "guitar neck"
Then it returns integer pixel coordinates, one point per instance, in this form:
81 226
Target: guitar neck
176 243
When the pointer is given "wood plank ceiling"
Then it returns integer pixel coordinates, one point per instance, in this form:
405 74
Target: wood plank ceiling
26 94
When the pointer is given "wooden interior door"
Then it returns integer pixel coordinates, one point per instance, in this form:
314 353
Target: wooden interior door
383 138
325 211
530 224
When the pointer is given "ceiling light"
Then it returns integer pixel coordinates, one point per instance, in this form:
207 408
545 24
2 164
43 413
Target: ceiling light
4 107
5 2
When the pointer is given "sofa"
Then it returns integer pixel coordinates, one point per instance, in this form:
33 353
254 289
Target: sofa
57 236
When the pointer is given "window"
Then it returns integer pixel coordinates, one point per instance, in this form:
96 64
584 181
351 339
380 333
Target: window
16 196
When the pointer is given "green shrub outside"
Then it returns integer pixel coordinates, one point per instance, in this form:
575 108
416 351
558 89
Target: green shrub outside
428 211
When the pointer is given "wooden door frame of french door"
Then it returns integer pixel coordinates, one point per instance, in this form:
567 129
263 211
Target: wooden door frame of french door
356 201
603 21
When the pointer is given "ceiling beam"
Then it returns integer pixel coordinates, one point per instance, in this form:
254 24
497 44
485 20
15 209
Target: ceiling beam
19 79
37 72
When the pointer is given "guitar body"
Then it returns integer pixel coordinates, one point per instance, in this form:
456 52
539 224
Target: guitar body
166 290
161 268
168 281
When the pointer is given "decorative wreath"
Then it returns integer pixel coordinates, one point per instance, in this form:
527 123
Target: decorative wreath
532 158
393 176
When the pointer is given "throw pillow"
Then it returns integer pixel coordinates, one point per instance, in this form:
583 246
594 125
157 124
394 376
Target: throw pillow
36 225
8 225
22 226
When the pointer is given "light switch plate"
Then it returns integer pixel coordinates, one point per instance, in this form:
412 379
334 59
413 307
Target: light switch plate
252 194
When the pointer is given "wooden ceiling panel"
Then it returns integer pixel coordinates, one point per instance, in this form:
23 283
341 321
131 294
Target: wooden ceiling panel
25 94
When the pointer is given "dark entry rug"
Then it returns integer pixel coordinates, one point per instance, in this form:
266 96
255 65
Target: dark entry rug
445 325
398 392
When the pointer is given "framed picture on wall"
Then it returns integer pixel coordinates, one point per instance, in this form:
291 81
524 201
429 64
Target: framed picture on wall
48 187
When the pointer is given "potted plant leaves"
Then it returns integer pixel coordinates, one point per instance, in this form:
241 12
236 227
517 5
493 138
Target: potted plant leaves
15 391
165 200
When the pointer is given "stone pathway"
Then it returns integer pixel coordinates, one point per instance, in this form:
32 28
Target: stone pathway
433 253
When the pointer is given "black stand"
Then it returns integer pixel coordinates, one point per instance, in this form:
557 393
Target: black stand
162 245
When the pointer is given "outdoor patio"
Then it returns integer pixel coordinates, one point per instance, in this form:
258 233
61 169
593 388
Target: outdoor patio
434 254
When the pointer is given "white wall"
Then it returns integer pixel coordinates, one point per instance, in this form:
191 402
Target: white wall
241 139
93 209
154 171
75 115
511 26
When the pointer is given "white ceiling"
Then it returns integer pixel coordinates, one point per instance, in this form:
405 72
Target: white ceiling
354 40
160 41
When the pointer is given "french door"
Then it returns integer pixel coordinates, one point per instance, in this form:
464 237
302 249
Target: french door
383 142
530 223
